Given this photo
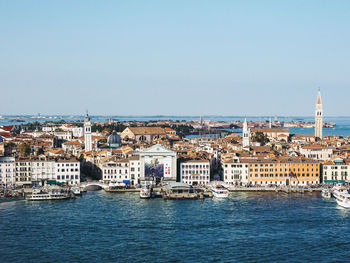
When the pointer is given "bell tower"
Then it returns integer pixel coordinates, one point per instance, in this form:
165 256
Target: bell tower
318 117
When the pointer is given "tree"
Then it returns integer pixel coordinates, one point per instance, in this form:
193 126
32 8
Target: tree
261 138
81 158
24 149
41 151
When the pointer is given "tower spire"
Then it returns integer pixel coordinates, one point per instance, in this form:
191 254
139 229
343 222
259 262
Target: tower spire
318 117
319 101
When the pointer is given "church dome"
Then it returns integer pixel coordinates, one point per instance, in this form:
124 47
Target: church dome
114 141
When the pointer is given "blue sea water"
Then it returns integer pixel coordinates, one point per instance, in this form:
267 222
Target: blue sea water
109 227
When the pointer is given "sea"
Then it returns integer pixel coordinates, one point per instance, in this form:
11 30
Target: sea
342 127
121 227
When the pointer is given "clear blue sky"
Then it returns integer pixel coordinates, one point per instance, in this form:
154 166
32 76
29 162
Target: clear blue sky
174 57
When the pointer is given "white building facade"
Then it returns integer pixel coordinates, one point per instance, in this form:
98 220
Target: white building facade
195 172
158 163
235 172
7 171
116 172
317 152
67 171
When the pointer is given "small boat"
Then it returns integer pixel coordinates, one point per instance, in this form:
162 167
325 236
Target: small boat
339 189
52 194
76 190
326 193
145 191
343 200
219 191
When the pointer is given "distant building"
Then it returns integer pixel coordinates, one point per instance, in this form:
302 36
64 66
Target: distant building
317 152
302 138
143 134
318 117
278 134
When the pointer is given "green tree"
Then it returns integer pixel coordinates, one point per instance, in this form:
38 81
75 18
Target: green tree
41 151
81 158
261 138
24 149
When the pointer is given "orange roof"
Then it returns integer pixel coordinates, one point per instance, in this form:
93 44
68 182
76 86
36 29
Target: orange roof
146 130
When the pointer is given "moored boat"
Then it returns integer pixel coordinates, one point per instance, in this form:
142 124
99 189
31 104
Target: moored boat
339 189
51 194
326 193
76 190
219 191
145 193
343 200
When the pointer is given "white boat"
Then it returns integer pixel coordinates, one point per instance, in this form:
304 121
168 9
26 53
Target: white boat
326 193
219 191
76 190
145 191
339 189
52 194
343 200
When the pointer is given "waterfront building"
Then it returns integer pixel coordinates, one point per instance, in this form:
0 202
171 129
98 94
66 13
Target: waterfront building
60 170
336 171
87 133
43 169
116 170
7 171
158 163
317 152
246 134
235 171
23 172
135 170
284 171
318 117
143 134
195 172
67 171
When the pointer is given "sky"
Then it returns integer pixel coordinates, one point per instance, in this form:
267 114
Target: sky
246 58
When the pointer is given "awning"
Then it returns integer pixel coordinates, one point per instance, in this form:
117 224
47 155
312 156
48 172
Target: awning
126 181
335 181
